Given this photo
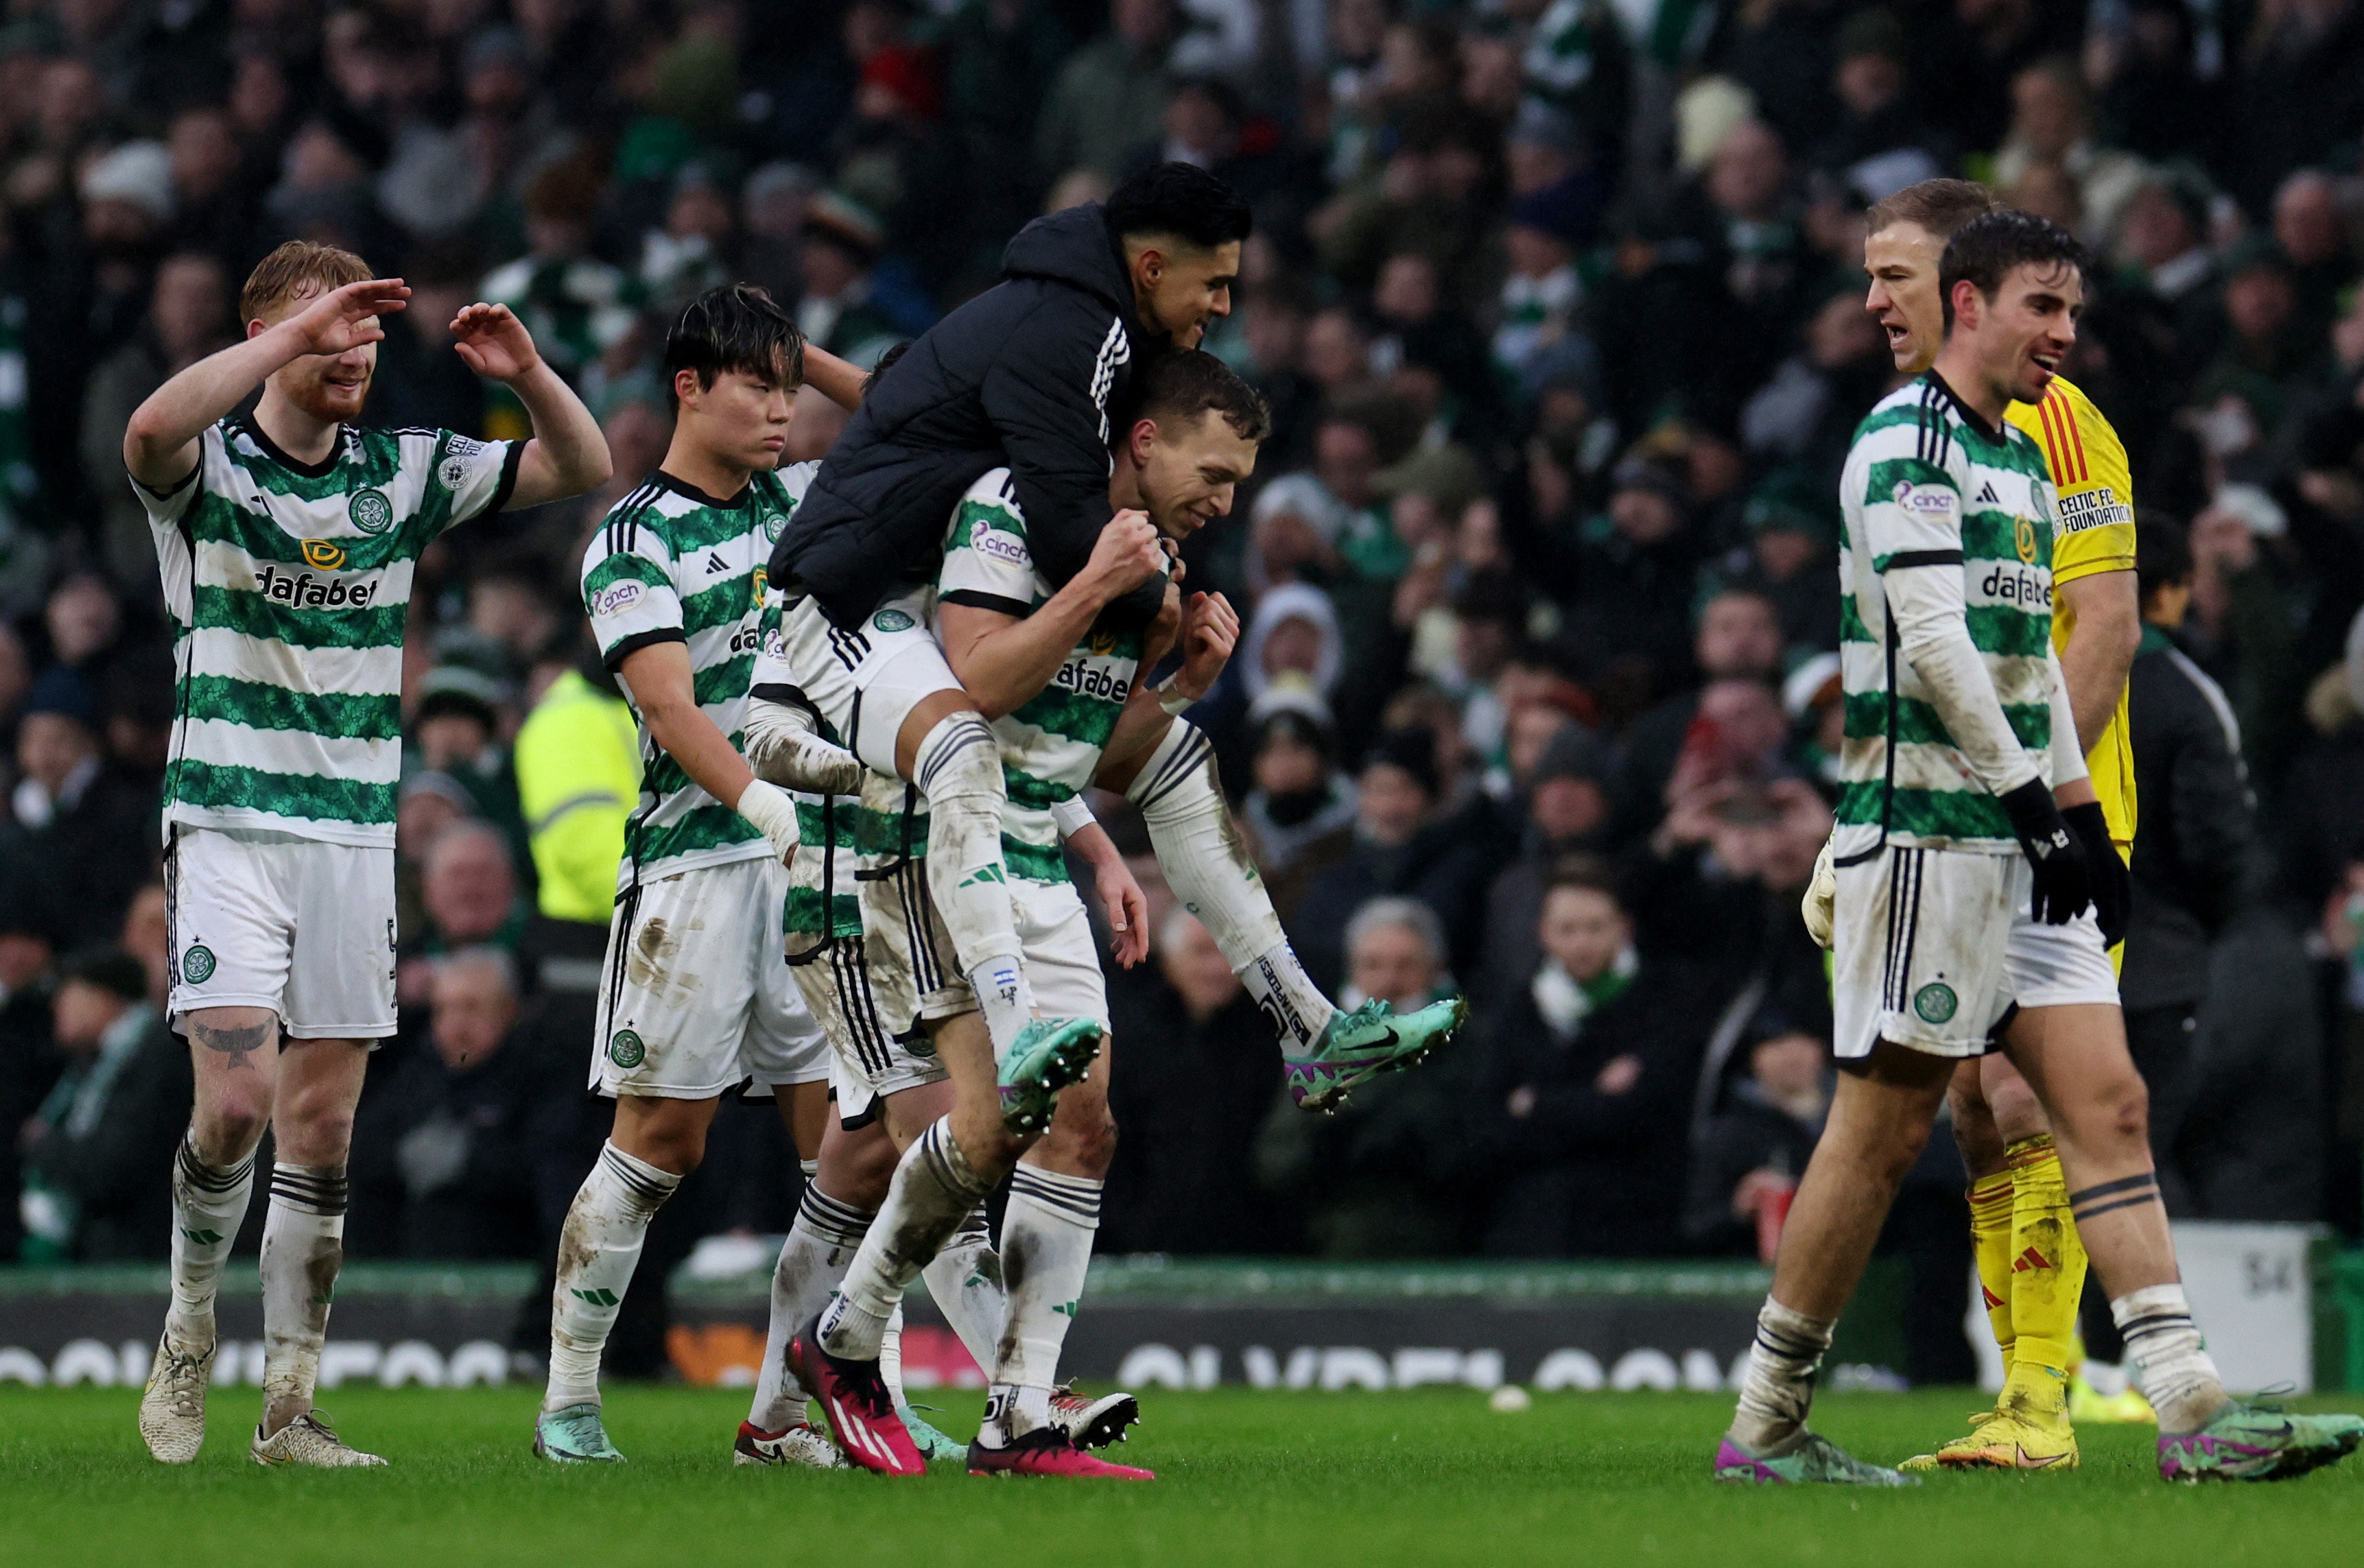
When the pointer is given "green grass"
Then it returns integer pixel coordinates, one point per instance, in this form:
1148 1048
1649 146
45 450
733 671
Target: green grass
1430 1478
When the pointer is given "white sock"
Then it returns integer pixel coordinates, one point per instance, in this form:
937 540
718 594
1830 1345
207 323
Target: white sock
1779 1387
958 768
303 1249
1046 1250
964 1278
2169 1361
821 1243
933 1190
1208 865
890 1357
783 744
208 1206
597 1251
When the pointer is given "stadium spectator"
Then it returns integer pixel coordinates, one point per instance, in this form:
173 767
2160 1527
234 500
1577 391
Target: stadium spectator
1583 1082
448 1140
1197 1080
1384 1177
97 1151
1747 1159
83 832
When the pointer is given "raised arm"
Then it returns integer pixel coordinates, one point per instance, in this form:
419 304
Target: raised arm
160 443
833 378
568 455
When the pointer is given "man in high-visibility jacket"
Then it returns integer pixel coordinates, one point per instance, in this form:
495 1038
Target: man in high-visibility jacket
578 773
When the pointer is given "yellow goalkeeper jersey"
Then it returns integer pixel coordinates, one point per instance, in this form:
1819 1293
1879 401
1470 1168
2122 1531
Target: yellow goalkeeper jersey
2095 534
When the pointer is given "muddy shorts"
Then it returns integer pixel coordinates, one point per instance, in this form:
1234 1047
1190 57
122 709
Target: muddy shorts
695 1000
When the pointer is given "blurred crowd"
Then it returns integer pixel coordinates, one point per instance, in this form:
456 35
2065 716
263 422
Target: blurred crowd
1557 303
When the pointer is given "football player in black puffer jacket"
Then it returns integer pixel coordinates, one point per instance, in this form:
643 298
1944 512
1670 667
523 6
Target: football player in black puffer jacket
1024 376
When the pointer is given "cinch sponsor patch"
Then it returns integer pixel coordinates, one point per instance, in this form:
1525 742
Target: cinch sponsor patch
2098 509
1929 500
617 596
1001 547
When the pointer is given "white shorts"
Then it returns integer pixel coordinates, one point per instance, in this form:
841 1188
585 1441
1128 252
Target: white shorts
304 927
864 682
1934 949
695 1000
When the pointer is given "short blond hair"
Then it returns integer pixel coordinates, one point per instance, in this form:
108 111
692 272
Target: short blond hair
284 274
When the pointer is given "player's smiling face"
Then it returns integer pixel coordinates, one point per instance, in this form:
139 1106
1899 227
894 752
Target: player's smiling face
1181 289
331 388
1188 472
1901 261
2028 328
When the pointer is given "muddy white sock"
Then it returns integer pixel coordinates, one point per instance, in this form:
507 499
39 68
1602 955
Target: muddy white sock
597 1251
964 1278
1046 1250
821 1243
1779 1387
958 768
1208 865
932 1191
2169 1361
303 1249
208 1206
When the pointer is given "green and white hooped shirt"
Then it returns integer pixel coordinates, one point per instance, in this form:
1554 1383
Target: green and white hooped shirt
1926 487
673 564
1051 745
289 584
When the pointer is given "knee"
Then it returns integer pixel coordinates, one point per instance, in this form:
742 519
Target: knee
2121 1111
861 1174
2014 1109
1082 1143
228 1128
314 1126
960 757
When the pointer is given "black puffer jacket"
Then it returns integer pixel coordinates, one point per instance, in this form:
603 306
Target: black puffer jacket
1029 375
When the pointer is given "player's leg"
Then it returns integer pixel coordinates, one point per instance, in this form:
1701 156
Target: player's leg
303 1245
1917 948
339 1004
841 1196
235 1054
888 692
2074 1056
667 1045
1325 1052
230 939
2031 1266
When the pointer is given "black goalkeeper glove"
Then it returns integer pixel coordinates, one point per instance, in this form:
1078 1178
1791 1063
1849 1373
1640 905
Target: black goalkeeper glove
2113 890
2063 885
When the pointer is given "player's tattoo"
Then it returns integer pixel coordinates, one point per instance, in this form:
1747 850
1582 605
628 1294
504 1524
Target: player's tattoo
237 1044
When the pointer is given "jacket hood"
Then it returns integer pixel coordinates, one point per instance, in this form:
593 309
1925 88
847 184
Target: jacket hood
1073 247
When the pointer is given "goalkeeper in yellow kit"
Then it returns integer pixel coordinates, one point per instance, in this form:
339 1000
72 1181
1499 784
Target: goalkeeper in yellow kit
2023 1218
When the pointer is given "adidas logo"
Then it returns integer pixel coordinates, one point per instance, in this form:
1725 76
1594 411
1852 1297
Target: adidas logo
983 875
202 1237
601 1298
1066 1309
714 563
2030 1261
1987 495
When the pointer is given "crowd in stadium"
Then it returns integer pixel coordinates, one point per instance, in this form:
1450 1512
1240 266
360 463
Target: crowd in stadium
1559 309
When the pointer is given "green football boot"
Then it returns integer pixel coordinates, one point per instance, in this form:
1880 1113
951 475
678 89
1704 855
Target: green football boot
1811 1460
1050 1054
574 1435
1357 1046
934 1447
2258 1443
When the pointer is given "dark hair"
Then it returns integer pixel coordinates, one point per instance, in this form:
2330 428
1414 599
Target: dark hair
1586 873
1985 250
1187 383
2162 554
108 968
1941 206
736 327
1181 200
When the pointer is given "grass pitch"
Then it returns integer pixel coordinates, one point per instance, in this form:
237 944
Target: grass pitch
1300 1479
